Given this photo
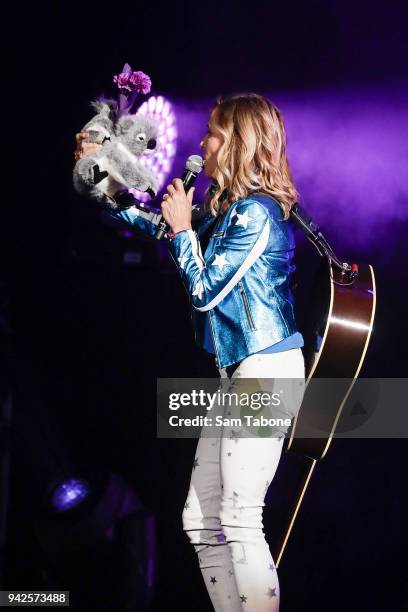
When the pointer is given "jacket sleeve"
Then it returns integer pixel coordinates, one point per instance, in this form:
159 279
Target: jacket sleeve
145 221
245 239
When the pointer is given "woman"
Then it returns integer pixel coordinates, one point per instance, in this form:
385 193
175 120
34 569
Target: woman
242 310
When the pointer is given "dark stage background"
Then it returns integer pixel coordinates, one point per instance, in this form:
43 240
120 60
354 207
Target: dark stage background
89 334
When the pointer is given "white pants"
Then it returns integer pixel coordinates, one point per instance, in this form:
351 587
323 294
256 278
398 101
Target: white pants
223 512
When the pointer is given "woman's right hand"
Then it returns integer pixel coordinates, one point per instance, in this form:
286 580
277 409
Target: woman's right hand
84 148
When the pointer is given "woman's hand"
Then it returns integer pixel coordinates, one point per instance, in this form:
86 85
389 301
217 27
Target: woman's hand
176 206
84 148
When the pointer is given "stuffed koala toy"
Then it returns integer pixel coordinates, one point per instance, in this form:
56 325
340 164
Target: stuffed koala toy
107 174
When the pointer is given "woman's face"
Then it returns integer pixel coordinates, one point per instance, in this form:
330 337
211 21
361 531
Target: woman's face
210 145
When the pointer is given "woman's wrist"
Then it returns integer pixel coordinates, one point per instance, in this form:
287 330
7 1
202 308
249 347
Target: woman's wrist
177 229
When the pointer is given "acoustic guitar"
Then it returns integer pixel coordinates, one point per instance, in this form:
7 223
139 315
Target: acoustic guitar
337 334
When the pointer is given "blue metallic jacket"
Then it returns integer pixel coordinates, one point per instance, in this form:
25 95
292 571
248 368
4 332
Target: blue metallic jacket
242 282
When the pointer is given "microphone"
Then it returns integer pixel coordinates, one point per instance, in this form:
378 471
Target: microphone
194 165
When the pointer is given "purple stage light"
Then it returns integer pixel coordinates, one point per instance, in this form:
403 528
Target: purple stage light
69 494
348 154
160 162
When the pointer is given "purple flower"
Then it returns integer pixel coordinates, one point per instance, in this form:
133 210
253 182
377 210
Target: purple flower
141 81
133 81
122 81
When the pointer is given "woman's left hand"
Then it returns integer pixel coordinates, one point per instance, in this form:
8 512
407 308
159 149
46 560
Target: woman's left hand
176 206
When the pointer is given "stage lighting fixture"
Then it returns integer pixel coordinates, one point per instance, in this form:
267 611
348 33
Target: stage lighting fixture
98 539
69 494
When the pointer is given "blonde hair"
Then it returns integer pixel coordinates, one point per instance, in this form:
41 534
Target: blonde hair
252 156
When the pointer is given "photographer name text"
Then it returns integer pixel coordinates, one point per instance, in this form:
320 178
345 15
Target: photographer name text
222 421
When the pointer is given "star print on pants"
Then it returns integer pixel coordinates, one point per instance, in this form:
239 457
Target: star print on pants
196 464
271 592
213 580
244 219
243 598
220 261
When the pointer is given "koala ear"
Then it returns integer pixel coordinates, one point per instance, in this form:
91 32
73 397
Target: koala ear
101 107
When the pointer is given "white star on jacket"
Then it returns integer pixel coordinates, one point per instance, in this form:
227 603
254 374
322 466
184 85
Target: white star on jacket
220 261
182 260
198 289
244 219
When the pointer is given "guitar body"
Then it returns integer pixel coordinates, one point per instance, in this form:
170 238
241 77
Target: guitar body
336 333
336 342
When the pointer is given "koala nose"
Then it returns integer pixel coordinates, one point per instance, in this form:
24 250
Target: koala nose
151 144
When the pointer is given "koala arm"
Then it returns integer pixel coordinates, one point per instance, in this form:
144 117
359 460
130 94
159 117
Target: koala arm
144 220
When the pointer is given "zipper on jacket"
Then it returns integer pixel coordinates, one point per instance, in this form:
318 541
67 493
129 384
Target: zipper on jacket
213 338
246 305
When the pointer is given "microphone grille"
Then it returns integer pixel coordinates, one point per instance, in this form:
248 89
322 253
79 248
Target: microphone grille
194 163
